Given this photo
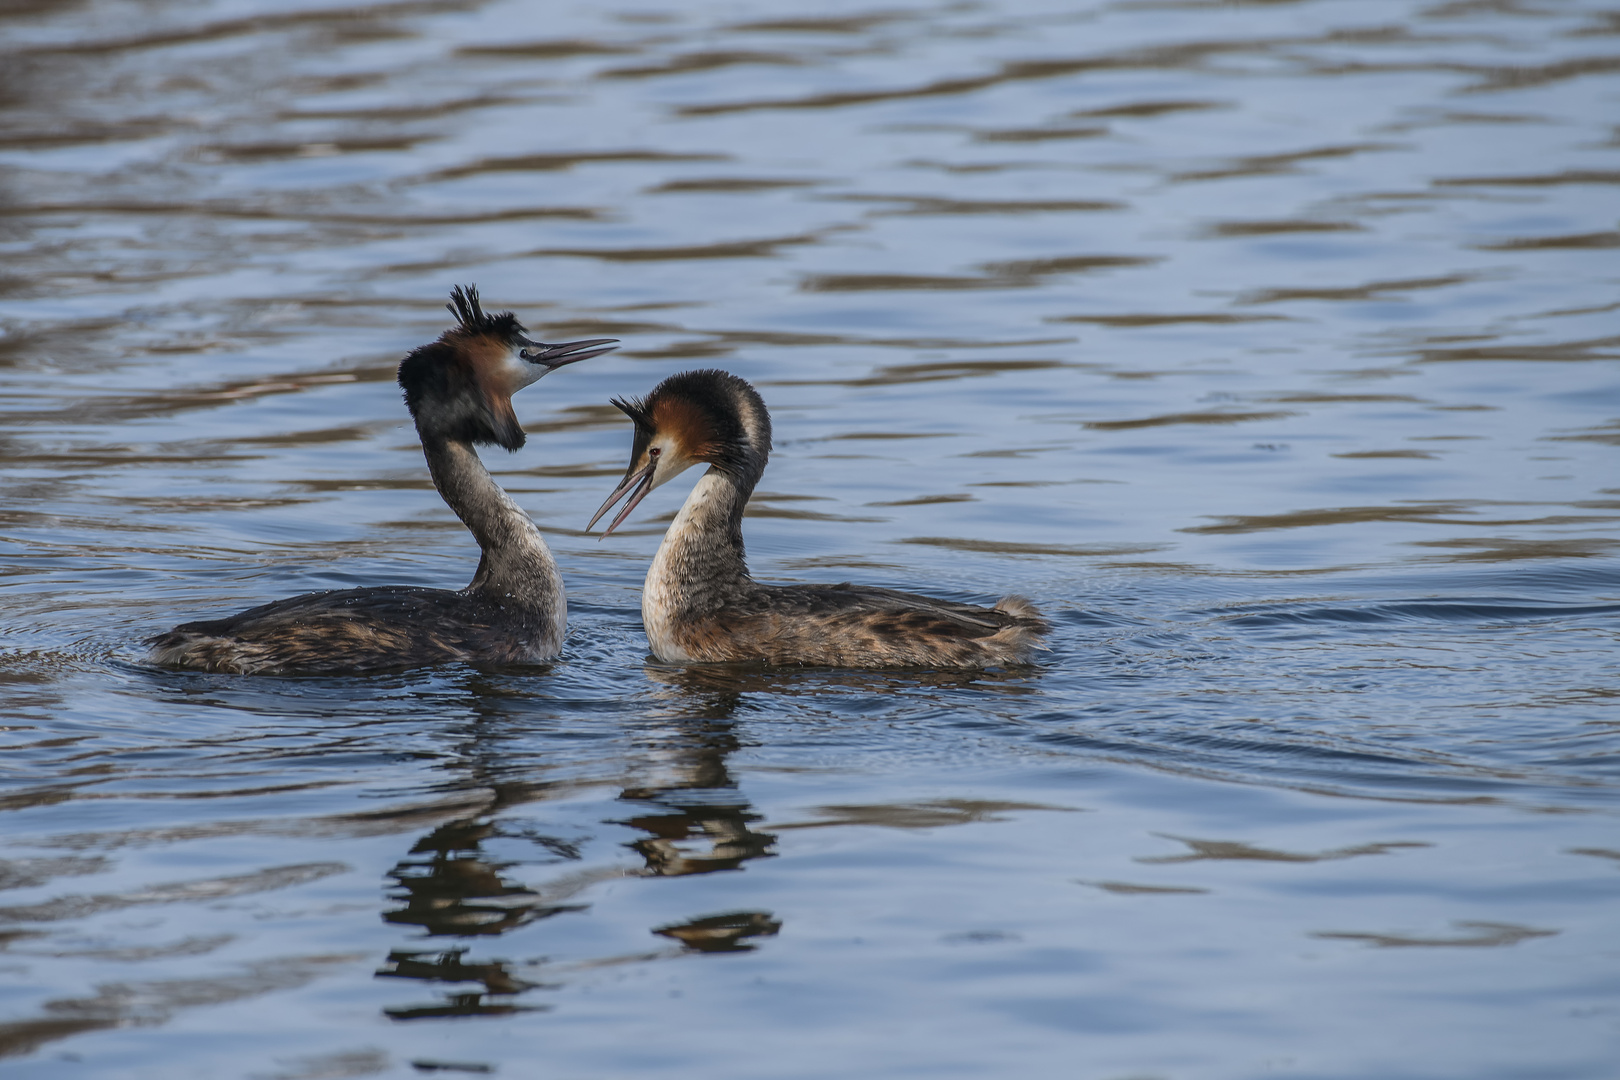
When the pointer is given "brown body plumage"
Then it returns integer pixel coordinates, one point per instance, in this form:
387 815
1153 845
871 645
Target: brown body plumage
700 603
459 391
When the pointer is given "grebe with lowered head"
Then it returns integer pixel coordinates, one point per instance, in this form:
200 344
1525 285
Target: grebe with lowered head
459 391
699 602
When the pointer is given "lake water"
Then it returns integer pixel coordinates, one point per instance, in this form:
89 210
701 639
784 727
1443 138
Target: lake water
1272 348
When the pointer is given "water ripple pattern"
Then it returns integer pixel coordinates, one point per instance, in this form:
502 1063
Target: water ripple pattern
1273 349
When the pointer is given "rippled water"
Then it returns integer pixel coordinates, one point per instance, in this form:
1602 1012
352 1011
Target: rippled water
1270 347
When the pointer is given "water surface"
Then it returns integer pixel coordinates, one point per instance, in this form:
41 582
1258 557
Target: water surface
1270 348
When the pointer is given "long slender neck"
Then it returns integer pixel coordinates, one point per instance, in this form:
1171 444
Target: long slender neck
517 566
701 564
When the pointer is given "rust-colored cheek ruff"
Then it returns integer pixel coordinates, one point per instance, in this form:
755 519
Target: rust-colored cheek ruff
688 426
488 364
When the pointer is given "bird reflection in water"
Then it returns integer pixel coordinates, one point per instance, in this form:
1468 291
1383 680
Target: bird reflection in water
695 819
456 891
500 985
698 819
450 888
722 933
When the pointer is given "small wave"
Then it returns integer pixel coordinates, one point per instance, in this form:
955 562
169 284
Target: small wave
1471 611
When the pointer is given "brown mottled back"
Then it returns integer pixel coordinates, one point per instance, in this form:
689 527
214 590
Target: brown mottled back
354 630
858 627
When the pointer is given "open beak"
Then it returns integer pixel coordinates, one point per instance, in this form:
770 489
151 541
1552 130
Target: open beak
571 352
642 481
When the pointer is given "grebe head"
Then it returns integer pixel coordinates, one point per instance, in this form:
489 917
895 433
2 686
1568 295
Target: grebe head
460 387
709 417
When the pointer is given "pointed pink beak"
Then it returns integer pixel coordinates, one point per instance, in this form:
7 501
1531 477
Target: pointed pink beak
570 352
642 481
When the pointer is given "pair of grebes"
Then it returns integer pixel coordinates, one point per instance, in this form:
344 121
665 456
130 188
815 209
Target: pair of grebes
699 604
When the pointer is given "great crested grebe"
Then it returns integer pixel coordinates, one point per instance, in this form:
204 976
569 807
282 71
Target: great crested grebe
459 391
699 602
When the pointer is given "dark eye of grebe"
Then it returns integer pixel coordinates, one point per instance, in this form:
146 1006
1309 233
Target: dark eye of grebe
655 451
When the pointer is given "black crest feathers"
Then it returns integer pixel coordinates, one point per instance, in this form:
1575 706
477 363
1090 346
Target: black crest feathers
636 410
469 312
465 307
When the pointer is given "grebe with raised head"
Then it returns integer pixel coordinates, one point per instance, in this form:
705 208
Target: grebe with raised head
459 391
700 603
